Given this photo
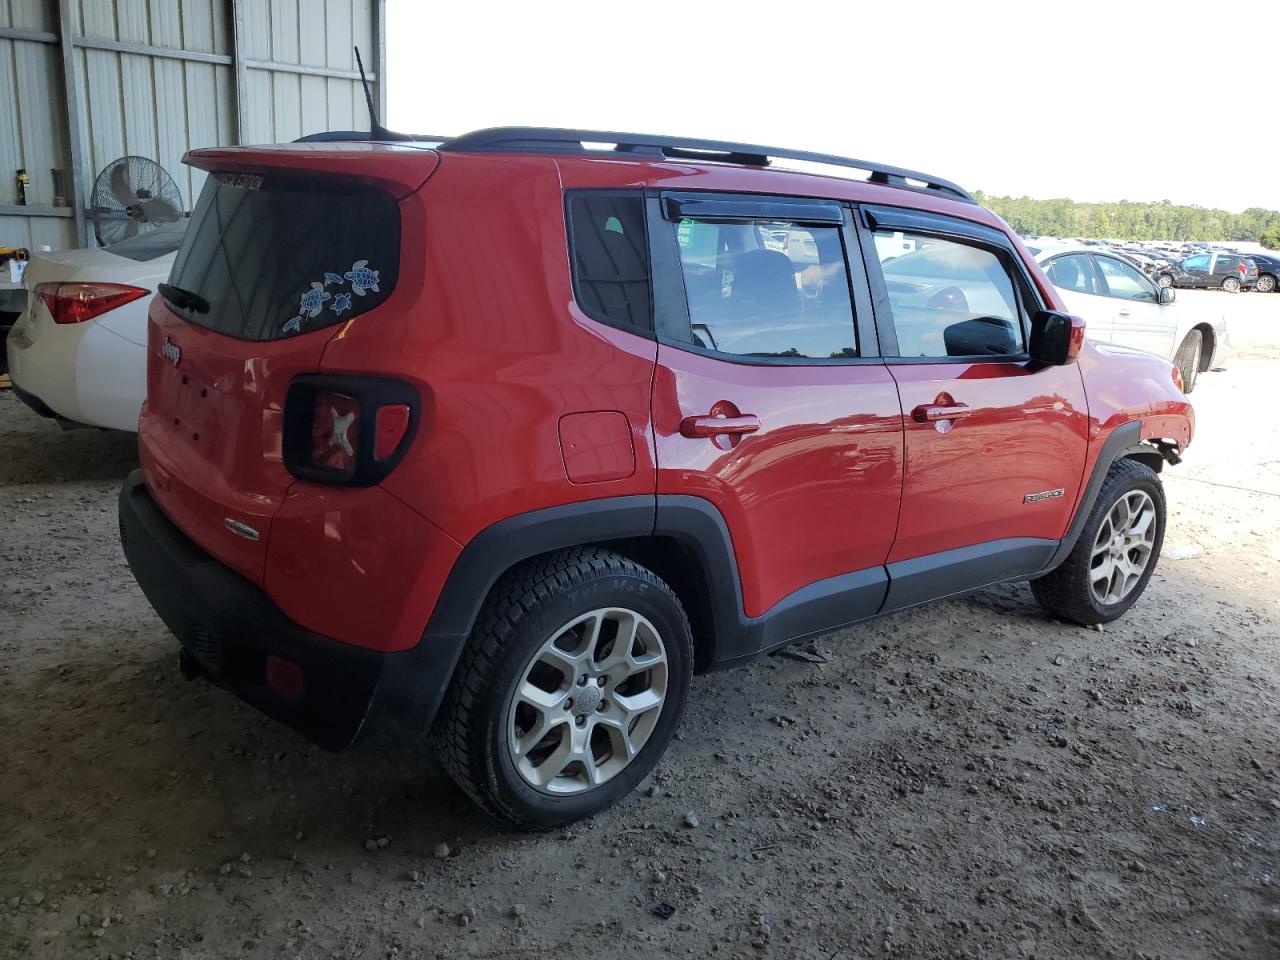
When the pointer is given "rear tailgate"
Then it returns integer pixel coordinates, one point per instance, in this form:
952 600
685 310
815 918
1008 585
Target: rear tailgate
286 247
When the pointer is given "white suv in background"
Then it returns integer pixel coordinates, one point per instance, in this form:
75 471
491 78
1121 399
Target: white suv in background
79 350
1121 305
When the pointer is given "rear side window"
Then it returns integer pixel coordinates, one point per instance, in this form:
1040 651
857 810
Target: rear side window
1073 272
610 257
277 256
764 288
951 299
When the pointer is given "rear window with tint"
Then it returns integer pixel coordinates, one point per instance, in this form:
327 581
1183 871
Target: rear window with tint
610 257
278 256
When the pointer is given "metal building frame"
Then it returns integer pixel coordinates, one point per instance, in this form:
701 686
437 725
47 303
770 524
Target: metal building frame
74 103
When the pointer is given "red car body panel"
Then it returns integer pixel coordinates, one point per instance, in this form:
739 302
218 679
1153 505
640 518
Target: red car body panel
813 494
482 323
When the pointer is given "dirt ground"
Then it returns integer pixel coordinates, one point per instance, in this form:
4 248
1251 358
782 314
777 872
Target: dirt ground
967 780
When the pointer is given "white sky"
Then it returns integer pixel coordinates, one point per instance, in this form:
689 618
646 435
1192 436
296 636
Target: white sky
1089 100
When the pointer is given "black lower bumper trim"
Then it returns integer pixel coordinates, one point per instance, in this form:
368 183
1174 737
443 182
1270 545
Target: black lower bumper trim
228 627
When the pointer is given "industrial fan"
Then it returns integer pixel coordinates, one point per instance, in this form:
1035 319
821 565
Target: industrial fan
131 196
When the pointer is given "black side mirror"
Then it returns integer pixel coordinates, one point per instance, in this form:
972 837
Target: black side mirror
1168 294
1056 338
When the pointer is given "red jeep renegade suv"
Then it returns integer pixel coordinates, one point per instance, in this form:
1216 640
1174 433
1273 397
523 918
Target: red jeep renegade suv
511 434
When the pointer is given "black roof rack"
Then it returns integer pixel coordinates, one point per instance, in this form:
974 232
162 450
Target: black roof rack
552 140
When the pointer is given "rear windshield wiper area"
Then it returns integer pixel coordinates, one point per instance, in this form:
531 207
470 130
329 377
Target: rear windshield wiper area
183 299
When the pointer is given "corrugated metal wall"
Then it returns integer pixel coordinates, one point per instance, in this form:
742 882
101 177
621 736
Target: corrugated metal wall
158 77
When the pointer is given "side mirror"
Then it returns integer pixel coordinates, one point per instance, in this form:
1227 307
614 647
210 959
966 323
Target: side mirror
1168 294
1056 338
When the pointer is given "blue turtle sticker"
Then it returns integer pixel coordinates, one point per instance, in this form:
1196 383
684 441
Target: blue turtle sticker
333 279
313 300
341 303
293 324
362 278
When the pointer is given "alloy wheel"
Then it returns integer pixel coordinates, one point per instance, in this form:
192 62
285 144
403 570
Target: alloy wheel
1231 285
1122 550
1164 280
1266 284
587 702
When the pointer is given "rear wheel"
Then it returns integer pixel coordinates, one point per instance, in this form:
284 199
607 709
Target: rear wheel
1112 561
1231 285
1187 359
1266 283
569 690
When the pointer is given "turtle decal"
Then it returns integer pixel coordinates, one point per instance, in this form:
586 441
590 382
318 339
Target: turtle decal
341 303
333 279
362 278
313 300
292 325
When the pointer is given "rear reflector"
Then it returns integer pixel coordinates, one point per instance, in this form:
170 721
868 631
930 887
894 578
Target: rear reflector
78 302
284 678
391 424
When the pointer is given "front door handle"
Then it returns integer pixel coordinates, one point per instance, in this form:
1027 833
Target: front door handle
710 425
1123 313
933 412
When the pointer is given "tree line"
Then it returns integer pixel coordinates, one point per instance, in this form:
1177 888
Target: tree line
1128 220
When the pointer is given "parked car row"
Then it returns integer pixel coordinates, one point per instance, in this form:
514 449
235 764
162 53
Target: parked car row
1120 304
1191 264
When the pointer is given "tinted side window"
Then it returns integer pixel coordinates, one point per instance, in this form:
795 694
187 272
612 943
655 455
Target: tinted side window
767 288
1124 281
1073 272
951 299
610 257
1199 262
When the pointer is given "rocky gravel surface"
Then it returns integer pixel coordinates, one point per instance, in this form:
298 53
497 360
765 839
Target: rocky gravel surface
967 780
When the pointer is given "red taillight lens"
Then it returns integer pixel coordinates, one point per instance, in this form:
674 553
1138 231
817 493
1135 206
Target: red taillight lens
335 433
1244 271
390 427
78 302
347 429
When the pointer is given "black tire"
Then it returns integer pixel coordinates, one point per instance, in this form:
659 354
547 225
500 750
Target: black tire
1231 285
527 606
1066 592
1165 280
1187 359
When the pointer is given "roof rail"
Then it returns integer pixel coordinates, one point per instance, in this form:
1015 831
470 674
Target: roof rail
552 140
362 136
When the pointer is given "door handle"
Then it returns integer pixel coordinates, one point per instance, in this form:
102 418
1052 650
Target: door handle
933 412
709 425
1123 313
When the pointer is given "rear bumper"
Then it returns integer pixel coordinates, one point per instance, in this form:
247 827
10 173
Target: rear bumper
34 402
228 627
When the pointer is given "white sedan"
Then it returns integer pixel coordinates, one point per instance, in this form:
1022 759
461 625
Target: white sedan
1121 305
78 351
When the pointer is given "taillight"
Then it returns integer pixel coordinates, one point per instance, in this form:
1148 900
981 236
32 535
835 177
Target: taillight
78 302
347 430
1177 377
1244 271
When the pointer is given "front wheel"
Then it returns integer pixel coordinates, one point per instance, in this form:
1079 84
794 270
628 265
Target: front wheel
570 688
1165 280
1112 561
1231 285
1266 283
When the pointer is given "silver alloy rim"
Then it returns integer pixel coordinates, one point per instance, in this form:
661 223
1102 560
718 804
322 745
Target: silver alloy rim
1265 284
1231 284
1122 550
1165 280
588 701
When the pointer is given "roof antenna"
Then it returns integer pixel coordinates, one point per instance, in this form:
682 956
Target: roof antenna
376 130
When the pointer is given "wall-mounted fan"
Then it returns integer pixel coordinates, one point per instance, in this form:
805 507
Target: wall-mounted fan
131 196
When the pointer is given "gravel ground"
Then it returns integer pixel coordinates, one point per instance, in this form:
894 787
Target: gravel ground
966 780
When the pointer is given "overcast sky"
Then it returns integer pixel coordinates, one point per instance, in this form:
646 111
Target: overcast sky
1092 101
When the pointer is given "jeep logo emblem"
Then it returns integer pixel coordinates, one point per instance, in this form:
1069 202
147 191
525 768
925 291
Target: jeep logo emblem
171 351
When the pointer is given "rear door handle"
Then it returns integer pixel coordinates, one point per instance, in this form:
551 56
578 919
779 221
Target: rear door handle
933 412
712 426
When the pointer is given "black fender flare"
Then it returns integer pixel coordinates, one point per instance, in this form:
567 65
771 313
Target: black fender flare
1123 440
